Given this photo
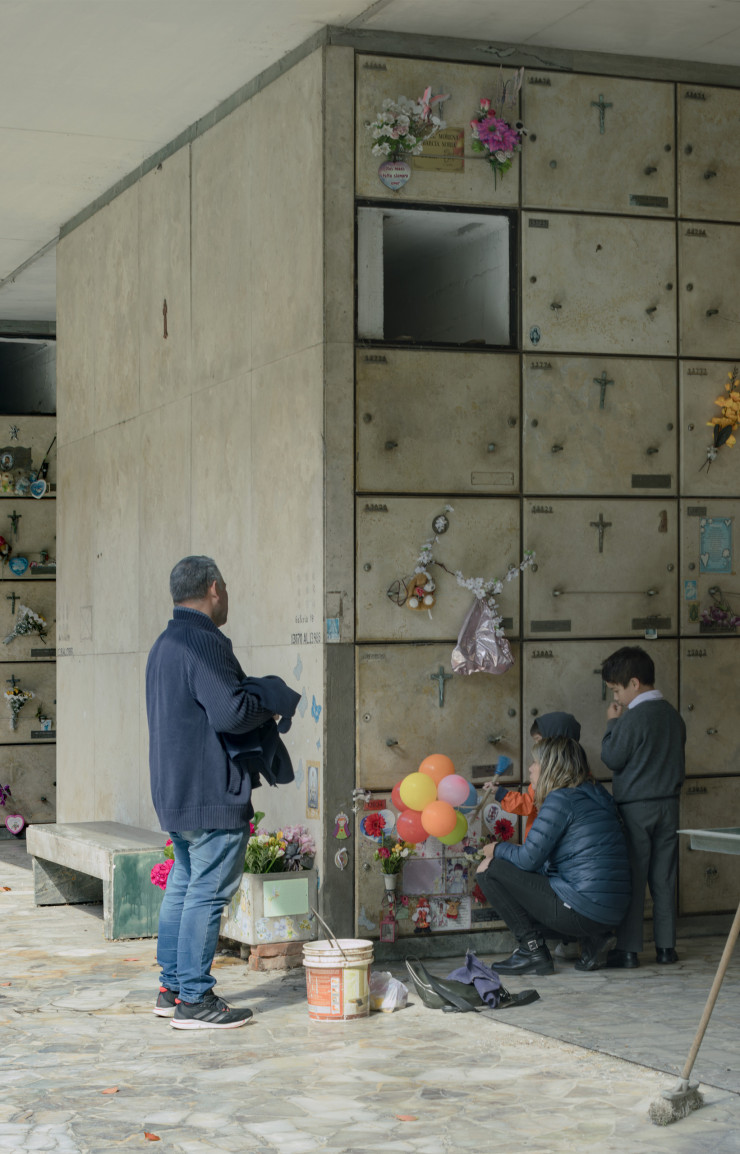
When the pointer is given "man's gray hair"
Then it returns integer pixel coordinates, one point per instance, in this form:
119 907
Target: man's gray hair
192 577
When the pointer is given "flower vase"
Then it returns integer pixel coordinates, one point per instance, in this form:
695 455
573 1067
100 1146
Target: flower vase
391 882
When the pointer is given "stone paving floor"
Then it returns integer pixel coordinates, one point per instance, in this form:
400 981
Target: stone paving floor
75 1014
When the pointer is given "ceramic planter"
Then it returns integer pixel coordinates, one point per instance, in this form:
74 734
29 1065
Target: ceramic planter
272 907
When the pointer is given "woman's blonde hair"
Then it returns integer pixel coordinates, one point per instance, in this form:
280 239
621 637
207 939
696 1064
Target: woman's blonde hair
562 763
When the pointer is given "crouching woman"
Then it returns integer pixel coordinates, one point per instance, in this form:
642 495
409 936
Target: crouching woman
571 877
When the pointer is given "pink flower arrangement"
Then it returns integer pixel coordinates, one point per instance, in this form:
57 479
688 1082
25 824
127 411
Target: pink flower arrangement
494 135
160 873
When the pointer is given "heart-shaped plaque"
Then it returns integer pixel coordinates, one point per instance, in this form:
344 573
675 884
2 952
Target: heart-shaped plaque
14 823
394 174
38 488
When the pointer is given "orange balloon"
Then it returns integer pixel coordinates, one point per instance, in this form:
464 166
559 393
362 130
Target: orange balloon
439 818
437 766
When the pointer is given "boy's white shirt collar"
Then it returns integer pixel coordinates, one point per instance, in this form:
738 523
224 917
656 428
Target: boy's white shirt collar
648 695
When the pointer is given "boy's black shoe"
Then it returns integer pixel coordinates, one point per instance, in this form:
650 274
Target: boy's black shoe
210 1014
622 960
666 957
594 953
531 958
164 1006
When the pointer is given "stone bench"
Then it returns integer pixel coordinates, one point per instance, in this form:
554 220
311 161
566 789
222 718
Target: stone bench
97 861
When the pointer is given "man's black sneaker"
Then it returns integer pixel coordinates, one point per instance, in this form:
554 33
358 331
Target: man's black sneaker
210 1014
164 1006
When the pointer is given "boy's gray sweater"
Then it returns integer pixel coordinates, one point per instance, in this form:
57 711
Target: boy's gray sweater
644 749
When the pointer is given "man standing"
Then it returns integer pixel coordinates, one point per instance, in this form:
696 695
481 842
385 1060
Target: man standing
195 690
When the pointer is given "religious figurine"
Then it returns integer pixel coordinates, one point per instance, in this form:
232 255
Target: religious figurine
421 917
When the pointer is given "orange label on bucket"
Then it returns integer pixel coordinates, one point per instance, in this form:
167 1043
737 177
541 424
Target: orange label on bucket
337 993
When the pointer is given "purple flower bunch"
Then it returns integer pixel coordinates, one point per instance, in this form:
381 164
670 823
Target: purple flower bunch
720 618
494 135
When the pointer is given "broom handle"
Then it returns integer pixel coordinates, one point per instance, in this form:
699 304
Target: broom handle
713 994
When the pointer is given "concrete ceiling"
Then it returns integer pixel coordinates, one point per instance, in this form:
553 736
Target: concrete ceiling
89 89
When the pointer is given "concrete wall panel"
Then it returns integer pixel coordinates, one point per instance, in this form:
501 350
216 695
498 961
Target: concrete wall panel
286 193
223 286
119 471
164 276
76 766
286 499
77 328
116 287
164 510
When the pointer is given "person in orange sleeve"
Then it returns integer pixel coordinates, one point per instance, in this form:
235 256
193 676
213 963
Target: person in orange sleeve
549 725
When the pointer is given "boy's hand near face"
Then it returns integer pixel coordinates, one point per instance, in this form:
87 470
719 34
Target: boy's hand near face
614 709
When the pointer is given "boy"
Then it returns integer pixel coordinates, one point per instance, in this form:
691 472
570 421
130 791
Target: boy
644 748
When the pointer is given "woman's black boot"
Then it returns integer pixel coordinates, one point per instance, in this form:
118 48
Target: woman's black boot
532 957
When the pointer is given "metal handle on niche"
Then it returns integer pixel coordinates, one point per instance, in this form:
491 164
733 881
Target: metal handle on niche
494 739
391 445
389 741
712 731
650 170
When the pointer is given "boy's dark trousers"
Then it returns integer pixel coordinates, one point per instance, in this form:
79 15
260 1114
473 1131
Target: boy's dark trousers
652 840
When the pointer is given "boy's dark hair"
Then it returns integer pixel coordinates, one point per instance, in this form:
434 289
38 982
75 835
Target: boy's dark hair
628 662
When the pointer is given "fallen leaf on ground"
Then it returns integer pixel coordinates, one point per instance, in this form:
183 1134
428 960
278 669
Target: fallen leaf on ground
152 1137
6 983
5 889
130 959
110 1090
407 1117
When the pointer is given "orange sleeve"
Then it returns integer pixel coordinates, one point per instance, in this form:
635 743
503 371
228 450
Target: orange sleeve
521 803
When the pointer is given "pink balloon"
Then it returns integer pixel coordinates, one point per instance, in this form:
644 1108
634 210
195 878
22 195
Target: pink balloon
454 789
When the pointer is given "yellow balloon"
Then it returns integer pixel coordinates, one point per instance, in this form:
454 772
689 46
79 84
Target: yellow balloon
417 790
458 833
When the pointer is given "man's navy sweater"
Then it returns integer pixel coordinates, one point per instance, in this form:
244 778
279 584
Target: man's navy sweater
194 691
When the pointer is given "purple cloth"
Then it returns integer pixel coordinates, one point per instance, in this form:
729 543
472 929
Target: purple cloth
477 973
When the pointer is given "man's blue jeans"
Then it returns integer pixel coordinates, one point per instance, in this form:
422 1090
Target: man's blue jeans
208 867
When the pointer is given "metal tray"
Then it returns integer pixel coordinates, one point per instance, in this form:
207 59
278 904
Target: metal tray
725 840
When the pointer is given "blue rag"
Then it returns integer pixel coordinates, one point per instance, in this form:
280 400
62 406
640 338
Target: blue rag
477 973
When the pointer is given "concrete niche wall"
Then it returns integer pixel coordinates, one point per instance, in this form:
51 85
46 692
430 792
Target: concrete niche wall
191 401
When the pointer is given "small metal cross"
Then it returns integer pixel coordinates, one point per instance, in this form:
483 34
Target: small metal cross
602 106
441 677
13 680
603 382
14 518
164 314
601 525
12 597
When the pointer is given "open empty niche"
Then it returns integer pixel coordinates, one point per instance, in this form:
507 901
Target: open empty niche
433 277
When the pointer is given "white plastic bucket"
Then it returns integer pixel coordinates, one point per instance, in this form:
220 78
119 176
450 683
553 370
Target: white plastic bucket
337 981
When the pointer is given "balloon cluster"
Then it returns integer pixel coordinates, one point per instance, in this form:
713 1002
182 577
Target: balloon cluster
433 802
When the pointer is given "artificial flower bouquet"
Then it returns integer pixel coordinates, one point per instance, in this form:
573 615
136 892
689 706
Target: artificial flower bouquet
289 848
403 125
724 426
27 622
16 699
496 137
161 871
392 854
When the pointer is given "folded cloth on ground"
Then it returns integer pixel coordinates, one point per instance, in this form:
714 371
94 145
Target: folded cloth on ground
477 973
